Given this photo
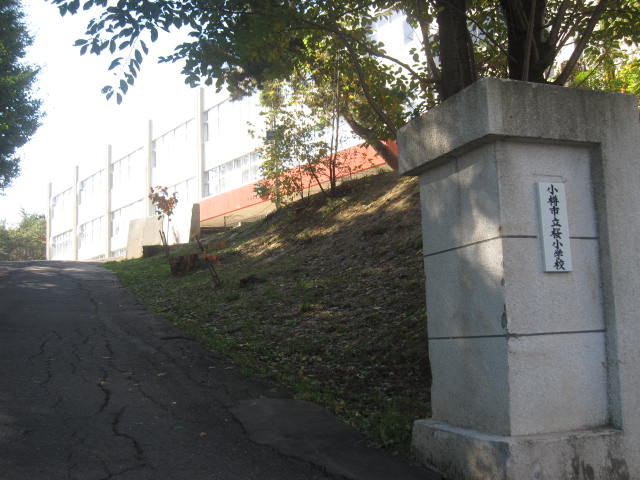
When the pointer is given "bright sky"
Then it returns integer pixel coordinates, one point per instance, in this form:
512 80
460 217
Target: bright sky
79 122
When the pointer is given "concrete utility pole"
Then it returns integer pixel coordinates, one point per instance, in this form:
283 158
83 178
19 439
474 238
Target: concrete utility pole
49 213
149 156
200 139
75 198
107 203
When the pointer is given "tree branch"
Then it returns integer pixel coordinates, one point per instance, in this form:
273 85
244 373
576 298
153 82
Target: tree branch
426 47
598 62
582 43
365 89
365 133
424 82
557 24
431 63
528 42
486 34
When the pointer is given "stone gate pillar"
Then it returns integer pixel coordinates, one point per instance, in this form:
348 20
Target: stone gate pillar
531 225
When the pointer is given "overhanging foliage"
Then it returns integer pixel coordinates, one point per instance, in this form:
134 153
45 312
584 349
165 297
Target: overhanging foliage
244 44
19 112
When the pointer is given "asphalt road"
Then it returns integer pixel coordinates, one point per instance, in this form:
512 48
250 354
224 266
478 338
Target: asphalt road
94 386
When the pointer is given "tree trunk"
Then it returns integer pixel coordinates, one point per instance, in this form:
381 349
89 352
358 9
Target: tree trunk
381 149
456 50
528 52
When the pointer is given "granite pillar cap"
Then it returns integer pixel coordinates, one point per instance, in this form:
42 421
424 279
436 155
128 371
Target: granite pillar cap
493 108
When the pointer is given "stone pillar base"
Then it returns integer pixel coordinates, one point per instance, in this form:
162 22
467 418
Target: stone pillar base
458 453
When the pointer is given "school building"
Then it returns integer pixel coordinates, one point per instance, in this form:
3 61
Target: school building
211 160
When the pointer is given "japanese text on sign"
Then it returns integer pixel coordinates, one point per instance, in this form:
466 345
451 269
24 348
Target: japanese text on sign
556 244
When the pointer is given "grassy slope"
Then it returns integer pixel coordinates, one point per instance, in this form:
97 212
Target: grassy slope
326 297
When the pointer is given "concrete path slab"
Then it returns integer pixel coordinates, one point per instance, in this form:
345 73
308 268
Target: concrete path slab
307 431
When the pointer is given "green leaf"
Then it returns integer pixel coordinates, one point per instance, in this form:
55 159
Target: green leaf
115 63
73 6
282 40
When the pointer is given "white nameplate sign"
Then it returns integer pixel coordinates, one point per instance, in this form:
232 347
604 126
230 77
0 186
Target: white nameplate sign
554 227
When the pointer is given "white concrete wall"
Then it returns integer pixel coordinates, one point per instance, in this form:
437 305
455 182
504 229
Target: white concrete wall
227 126
127 179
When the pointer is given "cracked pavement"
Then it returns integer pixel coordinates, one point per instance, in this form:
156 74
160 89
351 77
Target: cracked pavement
95 387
